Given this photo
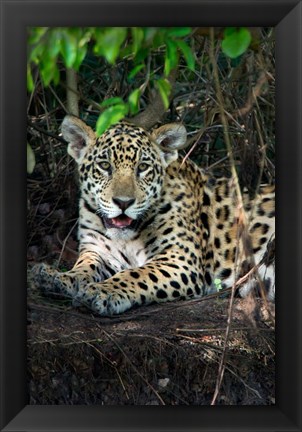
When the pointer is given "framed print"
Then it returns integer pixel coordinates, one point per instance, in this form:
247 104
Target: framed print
69 366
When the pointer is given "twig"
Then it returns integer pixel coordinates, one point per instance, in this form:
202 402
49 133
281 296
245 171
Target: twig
65 241
255 93
241 216
195 141
224 120
46 132
213 330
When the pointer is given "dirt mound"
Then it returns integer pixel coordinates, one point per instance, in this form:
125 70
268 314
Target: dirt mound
161 354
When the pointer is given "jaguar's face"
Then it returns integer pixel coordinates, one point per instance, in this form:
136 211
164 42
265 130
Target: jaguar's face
123 175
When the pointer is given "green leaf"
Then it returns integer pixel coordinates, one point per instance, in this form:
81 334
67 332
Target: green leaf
187 53
36 34
81 53
171 58
159 38
109 42
142 54
133 100
30 81
135 70
31 161
112 101
83 39
69 49
54 42
149 33
236 41
47 72
164 88
111 116
218 284
228 31
179 31
138 37
36 53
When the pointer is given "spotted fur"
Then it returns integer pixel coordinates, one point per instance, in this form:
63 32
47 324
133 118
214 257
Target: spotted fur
153 228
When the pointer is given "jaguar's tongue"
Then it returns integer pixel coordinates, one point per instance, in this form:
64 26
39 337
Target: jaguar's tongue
121 221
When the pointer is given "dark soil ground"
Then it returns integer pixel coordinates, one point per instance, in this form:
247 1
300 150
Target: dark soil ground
161 354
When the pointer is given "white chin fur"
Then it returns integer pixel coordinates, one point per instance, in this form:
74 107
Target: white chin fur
121 233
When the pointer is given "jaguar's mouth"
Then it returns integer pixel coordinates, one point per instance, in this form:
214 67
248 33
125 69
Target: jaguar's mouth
121 221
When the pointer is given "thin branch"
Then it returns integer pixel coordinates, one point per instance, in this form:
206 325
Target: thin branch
241 217
72 92
46 132
255 93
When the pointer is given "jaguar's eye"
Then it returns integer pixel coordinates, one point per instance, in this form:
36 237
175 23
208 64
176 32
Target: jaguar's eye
142 167
105 165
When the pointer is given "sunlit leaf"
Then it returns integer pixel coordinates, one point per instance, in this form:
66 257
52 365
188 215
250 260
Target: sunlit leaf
164 88
218 284
171 58
69 49
36 53
236 41
111 101
81 53
133 100
111 116
138 37
187 53
47 69
179 31
54 42
109 41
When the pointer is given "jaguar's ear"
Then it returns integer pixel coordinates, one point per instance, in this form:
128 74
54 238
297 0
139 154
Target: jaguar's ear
170 138
79 136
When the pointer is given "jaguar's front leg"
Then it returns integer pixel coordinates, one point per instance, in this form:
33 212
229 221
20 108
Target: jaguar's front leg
86 270
150 283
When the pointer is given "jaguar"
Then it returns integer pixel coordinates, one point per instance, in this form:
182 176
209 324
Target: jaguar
154 227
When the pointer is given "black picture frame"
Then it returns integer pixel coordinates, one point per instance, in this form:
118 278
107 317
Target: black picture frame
286 16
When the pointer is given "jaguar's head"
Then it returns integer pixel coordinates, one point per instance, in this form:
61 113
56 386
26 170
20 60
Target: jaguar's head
123 170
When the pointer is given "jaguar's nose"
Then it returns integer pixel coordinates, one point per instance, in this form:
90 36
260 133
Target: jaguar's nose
123 203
